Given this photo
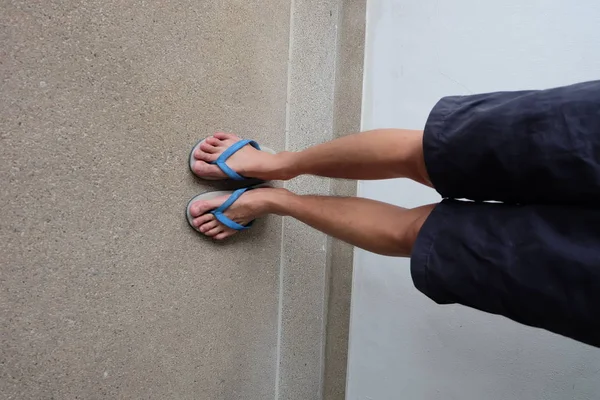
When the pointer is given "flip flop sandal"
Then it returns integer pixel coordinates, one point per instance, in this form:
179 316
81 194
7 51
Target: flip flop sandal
221 161
218 212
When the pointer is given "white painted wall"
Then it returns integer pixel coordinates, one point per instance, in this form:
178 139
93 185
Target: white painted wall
402 345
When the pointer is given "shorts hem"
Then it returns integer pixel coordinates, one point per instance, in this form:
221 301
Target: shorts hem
423 249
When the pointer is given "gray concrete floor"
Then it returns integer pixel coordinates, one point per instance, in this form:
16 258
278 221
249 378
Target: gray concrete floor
105 291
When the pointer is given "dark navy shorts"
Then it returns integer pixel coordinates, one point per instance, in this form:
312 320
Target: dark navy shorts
518 231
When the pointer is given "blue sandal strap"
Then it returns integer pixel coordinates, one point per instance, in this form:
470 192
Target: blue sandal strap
221 161
222 218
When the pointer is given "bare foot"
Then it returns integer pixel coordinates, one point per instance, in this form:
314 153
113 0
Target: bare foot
247 161
253 204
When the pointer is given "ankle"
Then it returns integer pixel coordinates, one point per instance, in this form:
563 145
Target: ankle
274 200
280 166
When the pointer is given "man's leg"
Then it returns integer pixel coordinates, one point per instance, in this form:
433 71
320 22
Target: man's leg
376 154
374 226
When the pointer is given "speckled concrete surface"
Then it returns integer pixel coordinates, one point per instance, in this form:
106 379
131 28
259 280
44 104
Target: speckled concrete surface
105 292
346 119
304 251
